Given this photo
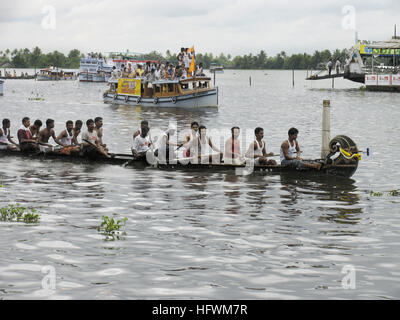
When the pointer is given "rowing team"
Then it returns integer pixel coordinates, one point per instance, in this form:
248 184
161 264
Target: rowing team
198 147
32 139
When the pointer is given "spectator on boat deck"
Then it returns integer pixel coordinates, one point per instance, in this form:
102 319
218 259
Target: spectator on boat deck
178 73
199 70
114 73
151 77
158 72
125 73
337 66
139 71
330 65
129 67
181 55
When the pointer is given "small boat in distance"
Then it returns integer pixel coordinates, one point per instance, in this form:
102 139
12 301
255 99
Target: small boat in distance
95 69
194 92
54 74
216 68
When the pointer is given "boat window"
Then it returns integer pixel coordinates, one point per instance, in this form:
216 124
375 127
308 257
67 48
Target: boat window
157 89
171 87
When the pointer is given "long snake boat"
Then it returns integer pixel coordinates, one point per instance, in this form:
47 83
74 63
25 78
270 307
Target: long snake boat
341 161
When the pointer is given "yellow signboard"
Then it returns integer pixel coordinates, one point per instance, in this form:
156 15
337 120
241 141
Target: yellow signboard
365 50
129 86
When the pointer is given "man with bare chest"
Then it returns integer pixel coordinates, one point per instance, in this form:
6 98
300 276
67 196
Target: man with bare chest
44 136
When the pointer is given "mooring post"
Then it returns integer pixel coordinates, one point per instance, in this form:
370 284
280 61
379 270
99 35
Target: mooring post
250 80
326 128
214 77
293 77
333 83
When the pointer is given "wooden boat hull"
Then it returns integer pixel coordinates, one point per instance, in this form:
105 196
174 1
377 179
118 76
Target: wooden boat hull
199 100
345 170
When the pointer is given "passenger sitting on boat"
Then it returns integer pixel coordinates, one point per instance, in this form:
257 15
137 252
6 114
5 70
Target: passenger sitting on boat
26 141
288 153
35 128
257 150
44 136
76 131
202 148
90 143
6 141
165 151
141 144
192 135
98 122
232 148
65 137
199 70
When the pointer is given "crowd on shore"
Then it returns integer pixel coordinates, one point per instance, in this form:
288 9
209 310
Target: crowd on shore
197 146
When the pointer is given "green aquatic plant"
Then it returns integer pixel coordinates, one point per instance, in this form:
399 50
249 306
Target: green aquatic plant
18 214
394 193
110 227
376 194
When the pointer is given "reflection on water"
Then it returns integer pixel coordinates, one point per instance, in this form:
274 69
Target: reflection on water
205 235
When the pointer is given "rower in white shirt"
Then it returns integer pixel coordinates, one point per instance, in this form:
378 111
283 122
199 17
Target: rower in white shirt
141 144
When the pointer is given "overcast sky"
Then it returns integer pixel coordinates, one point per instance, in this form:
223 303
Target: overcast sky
231 26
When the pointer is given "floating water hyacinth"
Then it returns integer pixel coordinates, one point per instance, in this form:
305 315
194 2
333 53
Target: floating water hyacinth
37 98
111 228
393 193
18 214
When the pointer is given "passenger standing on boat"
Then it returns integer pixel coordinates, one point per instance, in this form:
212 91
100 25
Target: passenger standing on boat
337 66
232 148
288 151
35 128
158 72
141 144
178 73
76 131
330 65
6 141
26 141
44 136
181 55
90 143
65 137
139 71
257 150
114 73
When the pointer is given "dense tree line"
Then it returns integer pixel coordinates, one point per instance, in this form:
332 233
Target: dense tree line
24 58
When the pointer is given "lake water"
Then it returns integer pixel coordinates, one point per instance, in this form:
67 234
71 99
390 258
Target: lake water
203 235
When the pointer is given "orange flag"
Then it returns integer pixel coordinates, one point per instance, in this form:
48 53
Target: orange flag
192 67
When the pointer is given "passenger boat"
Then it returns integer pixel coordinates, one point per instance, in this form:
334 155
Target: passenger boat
27 77
187 93
375 64
95 70
53 74
342 161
